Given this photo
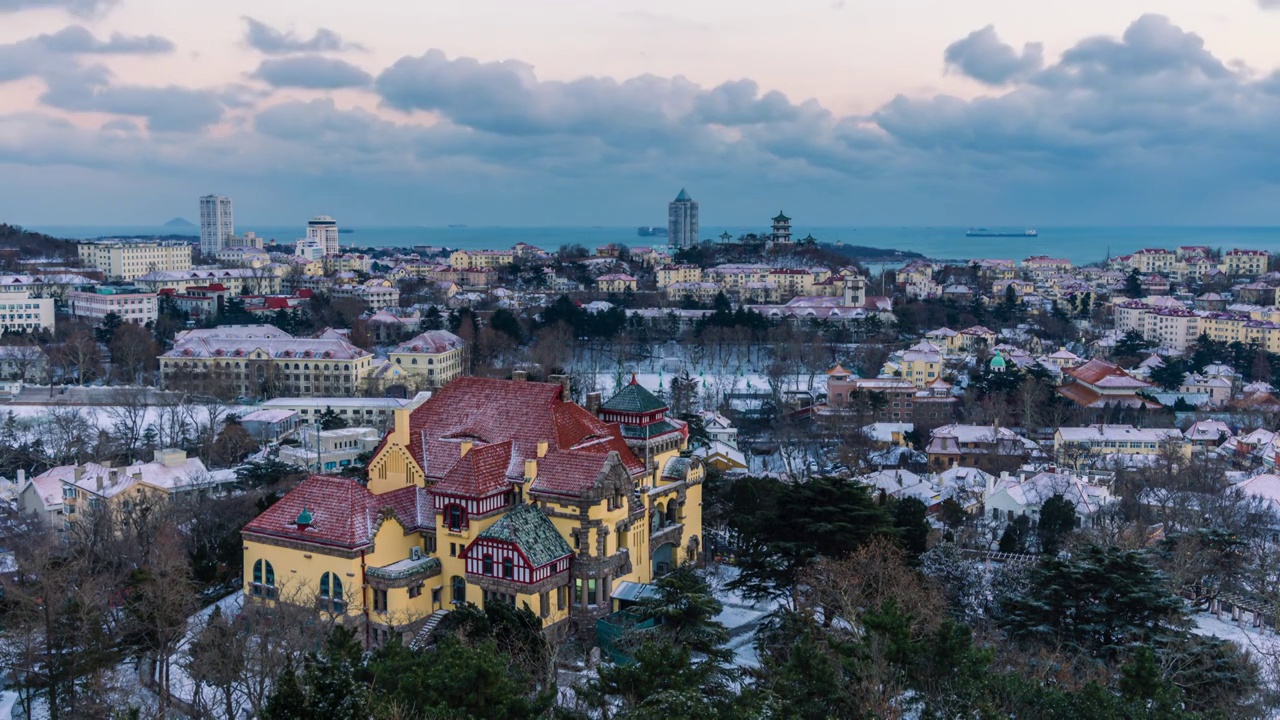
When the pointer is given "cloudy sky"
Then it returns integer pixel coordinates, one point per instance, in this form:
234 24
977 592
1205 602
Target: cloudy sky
595 112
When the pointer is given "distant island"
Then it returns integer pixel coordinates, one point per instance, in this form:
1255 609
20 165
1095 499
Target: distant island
872 254
179 223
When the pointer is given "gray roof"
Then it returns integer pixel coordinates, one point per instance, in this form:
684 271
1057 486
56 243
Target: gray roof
527 528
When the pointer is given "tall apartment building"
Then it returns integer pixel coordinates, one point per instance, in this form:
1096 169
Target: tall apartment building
682 221
128 260
19 312
216 223
324 231
131 304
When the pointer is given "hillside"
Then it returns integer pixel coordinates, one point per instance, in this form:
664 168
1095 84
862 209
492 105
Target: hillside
17 244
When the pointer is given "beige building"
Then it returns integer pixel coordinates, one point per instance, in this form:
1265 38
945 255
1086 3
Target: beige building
433 358
676 274
251 361
1245 262
251 281
477 259
129 260
615 283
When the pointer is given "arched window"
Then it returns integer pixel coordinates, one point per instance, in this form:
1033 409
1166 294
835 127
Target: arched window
459 590
672 509
264 579
331 596
508 568
487 563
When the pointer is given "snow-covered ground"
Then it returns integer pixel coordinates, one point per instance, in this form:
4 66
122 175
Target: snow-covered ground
740 616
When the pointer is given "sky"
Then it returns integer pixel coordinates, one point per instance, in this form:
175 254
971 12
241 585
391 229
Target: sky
507 112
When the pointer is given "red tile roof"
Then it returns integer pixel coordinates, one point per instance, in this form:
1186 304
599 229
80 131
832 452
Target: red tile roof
344 513
568 473
480 473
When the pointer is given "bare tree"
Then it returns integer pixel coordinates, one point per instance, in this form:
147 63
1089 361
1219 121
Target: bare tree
127 414
66 433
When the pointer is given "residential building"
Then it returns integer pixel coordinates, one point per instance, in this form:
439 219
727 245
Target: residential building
1074 444
64 494
860 400
615 283
240 281
271 424
682 221
433 358
219 361
480 259
52 285
1207 434
217 223
1098 384
249 257
328 451
1010 496
21 313
23 363
492 491
323 230
376 293
120 260
986 447
131 304
1245 262
675 274
309 249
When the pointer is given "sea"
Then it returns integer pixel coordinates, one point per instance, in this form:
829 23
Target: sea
1080 245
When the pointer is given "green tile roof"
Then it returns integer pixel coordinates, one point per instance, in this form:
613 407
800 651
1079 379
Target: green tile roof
634 399
651 430
531 531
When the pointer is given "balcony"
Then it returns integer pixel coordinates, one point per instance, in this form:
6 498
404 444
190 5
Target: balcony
672 533
403 573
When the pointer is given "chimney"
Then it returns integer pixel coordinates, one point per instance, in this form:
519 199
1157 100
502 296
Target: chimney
466 448
530 469
22 478
97 480
519 376
564 386
542 448
79 473
593 403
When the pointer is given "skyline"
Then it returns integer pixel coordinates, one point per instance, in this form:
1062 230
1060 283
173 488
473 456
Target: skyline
120 114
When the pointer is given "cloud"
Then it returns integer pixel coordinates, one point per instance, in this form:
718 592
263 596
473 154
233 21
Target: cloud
166 109
982 56
1146 127
75 7
1269 4
77 40
313 72
271 41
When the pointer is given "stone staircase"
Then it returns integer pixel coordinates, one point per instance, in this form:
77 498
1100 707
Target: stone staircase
423 638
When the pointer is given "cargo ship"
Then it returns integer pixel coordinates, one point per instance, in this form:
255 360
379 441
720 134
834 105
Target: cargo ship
983 232
651 231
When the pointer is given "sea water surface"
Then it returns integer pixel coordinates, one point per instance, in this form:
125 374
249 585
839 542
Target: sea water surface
1080 245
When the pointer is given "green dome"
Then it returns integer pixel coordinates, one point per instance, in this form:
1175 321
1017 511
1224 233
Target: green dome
304 518
997 361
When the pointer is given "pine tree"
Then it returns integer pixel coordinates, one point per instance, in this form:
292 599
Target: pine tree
1057 521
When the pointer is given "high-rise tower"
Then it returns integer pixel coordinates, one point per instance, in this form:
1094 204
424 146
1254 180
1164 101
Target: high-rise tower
682 221
324 230
216 223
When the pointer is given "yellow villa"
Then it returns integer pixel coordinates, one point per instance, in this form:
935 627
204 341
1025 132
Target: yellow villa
491 491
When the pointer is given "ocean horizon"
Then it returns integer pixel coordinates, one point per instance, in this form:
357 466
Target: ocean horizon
1080 245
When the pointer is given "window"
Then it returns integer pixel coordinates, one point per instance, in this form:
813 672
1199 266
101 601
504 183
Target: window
487 564
456 517
415 591
380 601
591 591
459 589
264 579
331 597
453 549
577 592
508 568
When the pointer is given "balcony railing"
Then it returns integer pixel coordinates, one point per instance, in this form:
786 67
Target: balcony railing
406 569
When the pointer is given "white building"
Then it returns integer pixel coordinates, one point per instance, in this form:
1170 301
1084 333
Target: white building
1009 496
309 248
682 221
324 231
128 260
216 223
330 450
132 304
19 312
369 412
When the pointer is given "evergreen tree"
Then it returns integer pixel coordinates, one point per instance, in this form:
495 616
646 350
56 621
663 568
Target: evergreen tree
1171 374
1057 521
683 611
505 322
106 330
1014 537
331 420
1133 284
911 520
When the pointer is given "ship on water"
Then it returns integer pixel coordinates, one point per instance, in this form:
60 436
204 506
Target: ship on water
983 232
651 231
